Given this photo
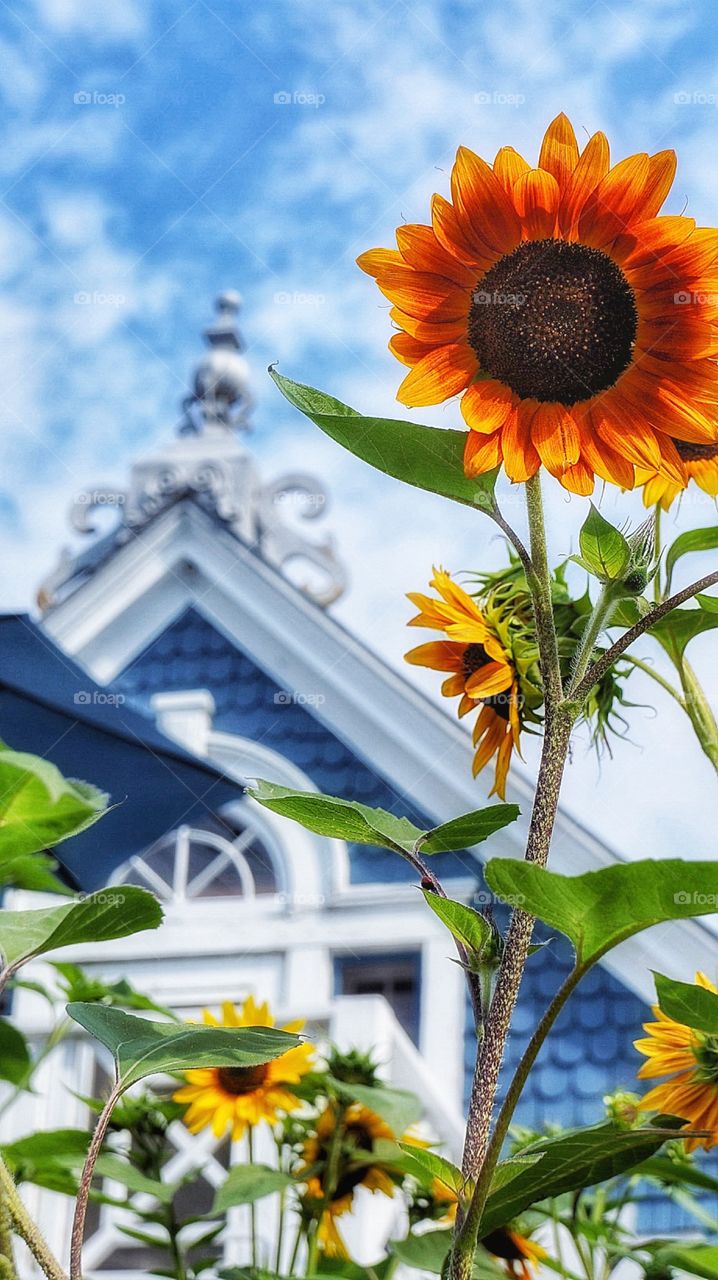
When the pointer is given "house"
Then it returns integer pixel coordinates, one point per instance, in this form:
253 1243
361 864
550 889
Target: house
208 607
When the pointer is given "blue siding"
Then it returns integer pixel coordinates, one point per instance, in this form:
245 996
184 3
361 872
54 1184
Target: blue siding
192 654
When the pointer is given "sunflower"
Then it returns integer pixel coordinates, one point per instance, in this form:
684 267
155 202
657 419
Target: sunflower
700 463
577 323
242 1097
690 1058
361 1128
482 671
519 1253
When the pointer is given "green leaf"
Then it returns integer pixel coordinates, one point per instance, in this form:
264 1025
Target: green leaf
430 1166
700 1261
359 824
100 917
578 1158
398 1108
53 1159
604 550
511 1168
467 926
676 1172
691 540
34 871
246 1183
425 457
599 909
427 1252
688 1003
38 807
468 830
113 1166
143 1048
15 1060
675 631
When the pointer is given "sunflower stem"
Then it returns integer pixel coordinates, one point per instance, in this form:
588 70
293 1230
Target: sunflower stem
252 1207
78 1222
598 620
699 711
25 1227
540 587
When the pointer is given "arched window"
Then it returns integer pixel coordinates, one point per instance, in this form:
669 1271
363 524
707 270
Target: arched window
228 854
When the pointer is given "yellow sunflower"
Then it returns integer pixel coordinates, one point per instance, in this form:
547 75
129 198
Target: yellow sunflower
690 1058
520 1254
241 1097
482 672
578 324
361 1129
700 463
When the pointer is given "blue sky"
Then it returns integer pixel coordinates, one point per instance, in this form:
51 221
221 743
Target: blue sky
157 153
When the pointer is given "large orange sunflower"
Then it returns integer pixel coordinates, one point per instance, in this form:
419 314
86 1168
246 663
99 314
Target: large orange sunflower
578 324
690 1058
241 1097
482 672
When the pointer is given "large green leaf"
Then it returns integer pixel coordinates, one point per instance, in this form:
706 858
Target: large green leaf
15 1060
691 540
246 1183
425 457
115 1167
51 1159
688 1003
142 1047
100 917
398 1108
38 807
575 1159
359 824
599 909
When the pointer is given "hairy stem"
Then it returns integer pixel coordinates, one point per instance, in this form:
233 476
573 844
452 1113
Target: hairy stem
540 588
598 619
78 1222
25 1227
607 659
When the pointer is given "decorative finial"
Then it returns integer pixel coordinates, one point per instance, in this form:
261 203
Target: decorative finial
221 397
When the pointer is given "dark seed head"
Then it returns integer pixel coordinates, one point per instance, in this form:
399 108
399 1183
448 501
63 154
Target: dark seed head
475 657
554 321
691 452
241 1080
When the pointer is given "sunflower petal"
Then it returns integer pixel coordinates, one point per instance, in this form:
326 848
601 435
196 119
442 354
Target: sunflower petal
439 375
591 168
556 438
536 197
481 453
486 405
486 214
559 150
508 167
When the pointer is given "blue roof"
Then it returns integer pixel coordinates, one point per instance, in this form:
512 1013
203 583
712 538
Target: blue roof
50 707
